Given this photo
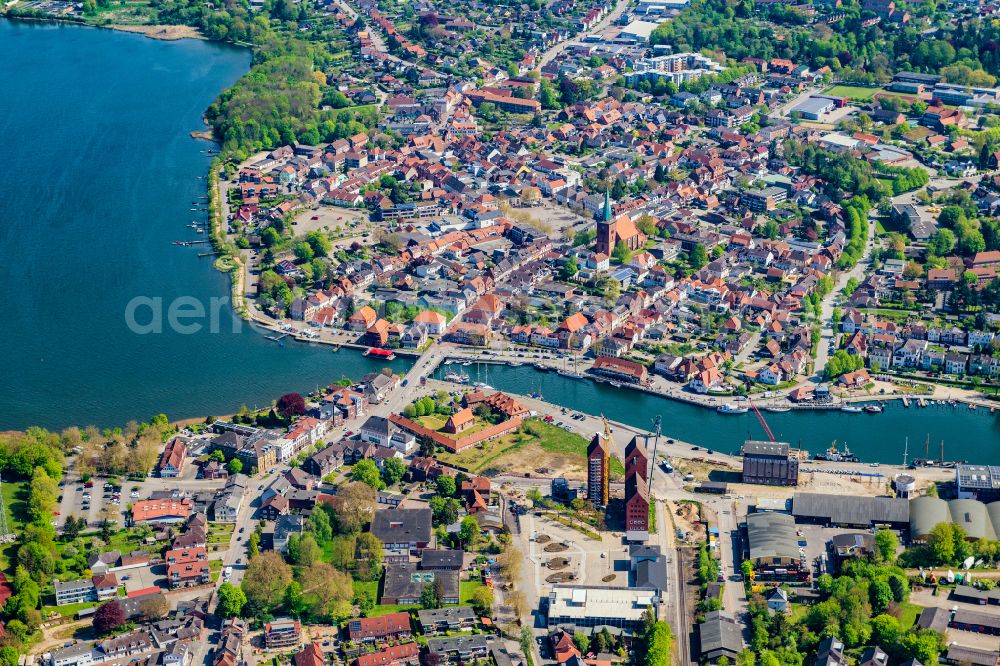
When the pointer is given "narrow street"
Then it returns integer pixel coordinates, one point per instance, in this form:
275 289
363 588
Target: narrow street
827 333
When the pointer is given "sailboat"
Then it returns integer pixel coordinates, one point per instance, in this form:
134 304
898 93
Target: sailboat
572 375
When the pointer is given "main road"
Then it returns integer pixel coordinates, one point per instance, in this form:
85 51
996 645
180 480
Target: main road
609 18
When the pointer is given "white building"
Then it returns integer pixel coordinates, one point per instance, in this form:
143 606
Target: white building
582 606
676 67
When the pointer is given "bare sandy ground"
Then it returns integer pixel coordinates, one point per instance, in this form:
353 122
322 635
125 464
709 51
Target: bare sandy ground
165 32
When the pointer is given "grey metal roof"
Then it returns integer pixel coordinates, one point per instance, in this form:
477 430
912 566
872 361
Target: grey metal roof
850 509
719 632
429 616
934 618
967 616
925 513
961 654
772 535
759 448
972 516
651 574
980 521
459 644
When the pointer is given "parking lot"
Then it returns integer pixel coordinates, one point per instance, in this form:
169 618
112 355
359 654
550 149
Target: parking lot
90 503
142 577
816 538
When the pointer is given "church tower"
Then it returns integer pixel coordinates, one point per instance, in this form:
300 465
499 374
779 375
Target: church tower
605 228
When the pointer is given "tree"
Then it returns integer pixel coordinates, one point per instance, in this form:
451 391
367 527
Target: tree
569 267
109 616
370 555
429 597
886 629
154 607
393 470
309 550
942 242
621 253
253 544
231 601
444 510
265 581
36 559
659 641
42 495
469 532
941 543
699 257
446 485
303 252
294 602
320 524
218 456
519 604
582 642
73 526
291 404
235 466
880 594
367 472
482 601
326 591
356 507
886 545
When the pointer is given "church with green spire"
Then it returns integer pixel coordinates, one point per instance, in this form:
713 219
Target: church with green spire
611 230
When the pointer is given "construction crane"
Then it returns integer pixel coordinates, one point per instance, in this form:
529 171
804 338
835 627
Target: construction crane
760 417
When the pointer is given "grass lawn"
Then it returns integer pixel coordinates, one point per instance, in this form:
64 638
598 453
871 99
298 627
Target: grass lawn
68 609
554 439
15 501
536 443
797 611
853 92
432 421
483 455
908 614
437 421
124 541
466 589
220 533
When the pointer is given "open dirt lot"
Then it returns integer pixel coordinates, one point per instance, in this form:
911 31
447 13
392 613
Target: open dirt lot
349 222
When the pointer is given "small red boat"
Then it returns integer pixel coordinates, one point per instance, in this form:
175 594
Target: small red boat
383 354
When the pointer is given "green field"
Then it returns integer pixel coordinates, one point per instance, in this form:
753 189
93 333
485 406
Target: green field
536 444
436 422
852 92
15 501
220 533
68 609
466 589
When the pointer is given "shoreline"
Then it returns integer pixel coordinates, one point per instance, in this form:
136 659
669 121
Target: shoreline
169 32
166 32
694 401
